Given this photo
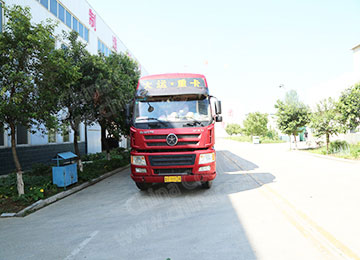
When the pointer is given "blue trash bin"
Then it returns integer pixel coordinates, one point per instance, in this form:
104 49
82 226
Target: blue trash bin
65 173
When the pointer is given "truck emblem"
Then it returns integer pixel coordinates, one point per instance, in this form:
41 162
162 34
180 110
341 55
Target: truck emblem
171 139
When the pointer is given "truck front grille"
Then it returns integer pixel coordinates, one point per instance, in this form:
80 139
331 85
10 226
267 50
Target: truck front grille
183 139
172 160
152 137
165 144
173 171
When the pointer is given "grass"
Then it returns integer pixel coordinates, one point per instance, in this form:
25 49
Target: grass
241 138
38 181
248 139
352 152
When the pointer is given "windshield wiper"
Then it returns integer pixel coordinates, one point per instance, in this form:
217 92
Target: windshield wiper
194 123
152 118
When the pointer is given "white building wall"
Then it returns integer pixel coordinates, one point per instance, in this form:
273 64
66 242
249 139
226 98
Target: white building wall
80 10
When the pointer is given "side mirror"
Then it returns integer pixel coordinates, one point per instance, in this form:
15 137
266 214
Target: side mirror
218 107
218 118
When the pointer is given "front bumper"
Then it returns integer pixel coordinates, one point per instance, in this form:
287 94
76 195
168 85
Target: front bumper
156 173
184 178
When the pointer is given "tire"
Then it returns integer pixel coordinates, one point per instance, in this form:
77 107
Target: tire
142 185
206 184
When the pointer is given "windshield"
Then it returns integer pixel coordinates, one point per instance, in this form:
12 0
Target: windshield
172 111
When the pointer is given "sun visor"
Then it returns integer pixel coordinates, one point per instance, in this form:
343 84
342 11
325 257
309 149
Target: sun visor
171 86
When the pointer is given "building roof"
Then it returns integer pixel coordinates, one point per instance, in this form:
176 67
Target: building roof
356 47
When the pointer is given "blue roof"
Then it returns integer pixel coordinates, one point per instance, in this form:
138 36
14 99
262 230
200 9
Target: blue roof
67 155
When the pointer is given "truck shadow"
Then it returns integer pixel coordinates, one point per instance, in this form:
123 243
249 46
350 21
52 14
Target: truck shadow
207 217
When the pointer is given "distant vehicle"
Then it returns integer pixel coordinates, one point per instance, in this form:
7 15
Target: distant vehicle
256 140
172 130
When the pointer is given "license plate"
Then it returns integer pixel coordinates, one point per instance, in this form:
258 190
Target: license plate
172 179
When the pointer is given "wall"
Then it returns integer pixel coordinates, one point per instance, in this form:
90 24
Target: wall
29 155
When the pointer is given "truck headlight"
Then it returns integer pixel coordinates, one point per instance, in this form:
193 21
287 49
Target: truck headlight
207 158
138 160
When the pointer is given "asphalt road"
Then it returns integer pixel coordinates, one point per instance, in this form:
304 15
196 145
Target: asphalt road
266 203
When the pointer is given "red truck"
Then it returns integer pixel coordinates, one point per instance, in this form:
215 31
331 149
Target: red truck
172 132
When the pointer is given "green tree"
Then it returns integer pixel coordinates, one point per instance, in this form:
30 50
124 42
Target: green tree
349 107
74 97
233 129
113 90
272 134
292 115
27 58
324 122
256 124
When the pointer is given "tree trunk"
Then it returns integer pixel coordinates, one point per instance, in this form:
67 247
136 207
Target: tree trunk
327 143
104 142
103 138
19 172
77 151
290 141
295 141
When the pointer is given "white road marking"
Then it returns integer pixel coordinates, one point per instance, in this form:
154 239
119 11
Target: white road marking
81 246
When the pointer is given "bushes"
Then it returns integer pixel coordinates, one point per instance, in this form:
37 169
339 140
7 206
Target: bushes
233 129
93 157
263 139
36 186
115 153
268 140
355 151
242 138
339 147
272 135
38 181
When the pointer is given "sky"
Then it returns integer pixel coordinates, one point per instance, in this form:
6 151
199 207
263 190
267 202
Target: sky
245 49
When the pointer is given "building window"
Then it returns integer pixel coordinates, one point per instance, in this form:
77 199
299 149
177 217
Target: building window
65 134
51 136
86 32
21 134
53 7
45 3
61 13
2 135
1 20
75 25
103 48
68 19
81 30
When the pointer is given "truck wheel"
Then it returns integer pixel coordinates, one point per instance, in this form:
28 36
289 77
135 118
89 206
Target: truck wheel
206 184
142 186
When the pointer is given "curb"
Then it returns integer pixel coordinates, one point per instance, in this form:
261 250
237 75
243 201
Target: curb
42 203
327 157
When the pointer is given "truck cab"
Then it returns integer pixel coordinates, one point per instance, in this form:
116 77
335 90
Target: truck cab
172 130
